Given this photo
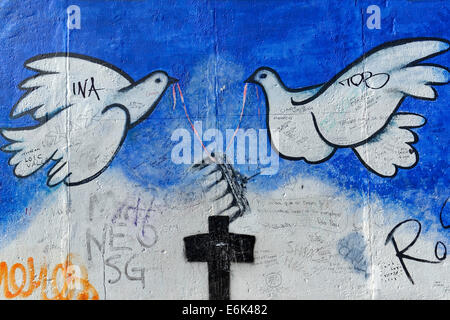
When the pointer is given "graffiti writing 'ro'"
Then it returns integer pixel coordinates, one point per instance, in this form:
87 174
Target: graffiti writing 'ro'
440 249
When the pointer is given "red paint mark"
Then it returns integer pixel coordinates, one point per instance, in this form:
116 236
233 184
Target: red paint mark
174 95
240 118
192 125
152 93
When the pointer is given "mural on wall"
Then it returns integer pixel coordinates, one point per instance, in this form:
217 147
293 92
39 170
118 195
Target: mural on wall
90 122
137 171
357 108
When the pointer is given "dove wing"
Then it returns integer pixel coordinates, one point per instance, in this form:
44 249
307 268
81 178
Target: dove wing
79 154
361 100
84 157
65 80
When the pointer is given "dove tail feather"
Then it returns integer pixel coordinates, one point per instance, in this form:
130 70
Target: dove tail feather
29 155
58 173
392 148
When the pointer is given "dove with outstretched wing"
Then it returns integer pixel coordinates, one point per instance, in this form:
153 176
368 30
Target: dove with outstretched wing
85 108
357 108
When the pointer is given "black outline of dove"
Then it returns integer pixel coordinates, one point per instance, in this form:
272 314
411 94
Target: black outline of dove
326 85
41 121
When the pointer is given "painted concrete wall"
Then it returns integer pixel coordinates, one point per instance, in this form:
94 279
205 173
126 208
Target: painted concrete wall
127 124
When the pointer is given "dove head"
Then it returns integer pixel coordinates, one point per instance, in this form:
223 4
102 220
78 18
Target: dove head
156 83
159 80
145 94
265 77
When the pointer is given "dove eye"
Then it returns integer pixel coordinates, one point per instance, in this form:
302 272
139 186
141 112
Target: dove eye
263 76
158 80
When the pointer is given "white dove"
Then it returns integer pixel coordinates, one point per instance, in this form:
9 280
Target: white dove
357 108
85 108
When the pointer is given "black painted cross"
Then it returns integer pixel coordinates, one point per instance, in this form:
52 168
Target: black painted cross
219 248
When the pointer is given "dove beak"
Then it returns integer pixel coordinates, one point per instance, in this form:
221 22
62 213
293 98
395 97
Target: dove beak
250 80
172 80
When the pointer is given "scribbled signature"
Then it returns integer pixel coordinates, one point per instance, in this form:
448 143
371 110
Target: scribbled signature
373 81
440 249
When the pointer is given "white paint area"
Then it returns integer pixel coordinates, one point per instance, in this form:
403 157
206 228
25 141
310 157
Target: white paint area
298 230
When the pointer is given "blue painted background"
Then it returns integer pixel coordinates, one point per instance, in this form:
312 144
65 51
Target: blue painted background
307 42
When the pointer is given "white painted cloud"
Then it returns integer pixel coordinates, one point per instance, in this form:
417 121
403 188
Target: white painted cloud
297 228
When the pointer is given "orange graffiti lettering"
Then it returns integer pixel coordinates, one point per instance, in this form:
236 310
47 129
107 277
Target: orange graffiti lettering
66 282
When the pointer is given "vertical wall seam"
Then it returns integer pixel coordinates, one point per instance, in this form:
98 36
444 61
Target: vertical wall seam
367 225
67 65
216 59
